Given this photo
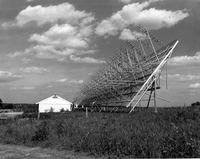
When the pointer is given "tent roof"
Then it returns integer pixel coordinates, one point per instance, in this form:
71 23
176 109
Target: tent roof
55 99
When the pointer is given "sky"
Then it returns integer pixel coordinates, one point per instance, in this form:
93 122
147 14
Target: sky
49 46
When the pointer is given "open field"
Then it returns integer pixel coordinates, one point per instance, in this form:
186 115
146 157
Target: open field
172 132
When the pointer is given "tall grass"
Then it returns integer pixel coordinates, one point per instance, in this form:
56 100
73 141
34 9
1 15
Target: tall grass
169 133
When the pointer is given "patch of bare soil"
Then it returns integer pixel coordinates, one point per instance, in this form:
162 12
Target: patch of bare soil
22 152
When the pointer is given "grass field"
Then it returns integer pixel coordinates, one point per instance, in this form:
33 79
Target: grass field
171 132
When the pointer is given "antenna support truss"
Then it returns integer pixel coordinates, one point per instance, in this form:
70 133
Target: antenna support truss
124 79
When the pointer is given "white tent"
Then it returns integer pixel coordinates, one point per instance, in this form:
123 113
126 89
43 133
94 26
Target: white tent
54 103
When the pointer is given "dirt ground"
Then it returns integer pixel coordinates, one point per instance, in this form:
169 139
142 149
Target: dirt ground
22 152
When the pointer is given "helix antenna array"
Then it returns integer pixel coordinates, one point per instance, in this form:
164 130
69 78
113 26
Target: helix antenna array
153 37
126 77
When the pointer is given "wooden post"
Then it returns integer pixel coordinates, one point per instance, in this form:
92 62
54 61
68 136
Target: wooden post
38 112
166 77
86 112
155 97
38 115
150 95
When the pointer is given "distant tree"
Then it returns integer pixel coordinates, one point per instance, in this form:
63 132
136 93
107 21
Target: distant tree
62 110
1 104
51 110
196 104
72 106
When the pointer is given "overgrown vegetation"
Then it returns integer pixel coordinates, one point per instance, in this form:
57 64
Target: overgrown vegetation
171 133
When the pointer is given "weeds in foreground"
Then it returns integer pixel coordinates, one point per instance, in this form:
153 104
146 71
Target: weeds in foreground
169 133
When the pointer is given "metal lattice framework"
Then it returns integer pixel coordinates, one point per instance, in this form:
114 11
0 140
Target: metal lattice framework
127 75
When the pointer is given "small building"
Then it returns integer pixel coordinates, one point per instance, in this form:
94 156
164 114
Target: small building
54 103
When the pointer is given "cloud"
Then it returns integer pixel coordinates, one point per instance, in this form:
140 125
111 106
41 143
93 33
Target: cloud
110 27
185 60
182 78
71 85
125 1
22 88
59 42
64 12
64 35
65 80
28 88
15 54
62 80
30 0
59 54
70 36
135 14
49 52
194 86
35 70
26 60
127 35
76 82
85 60
8 77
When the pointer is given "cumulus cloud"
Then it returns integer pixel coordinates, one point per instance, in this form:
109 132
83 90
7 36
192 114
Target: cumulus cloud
125 1
135 14
8 77
49 52
35 70
17 53
64 12
70 84
195 85
22 88
76 81
28 88
64 35
85 59
185 60
70 36
59 54
110 26
26 60
126 34
65 80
